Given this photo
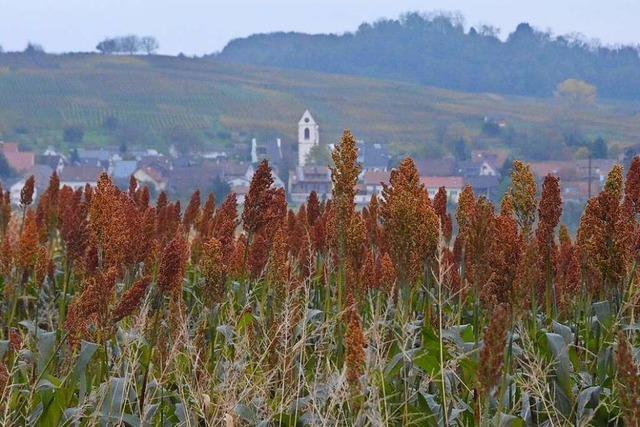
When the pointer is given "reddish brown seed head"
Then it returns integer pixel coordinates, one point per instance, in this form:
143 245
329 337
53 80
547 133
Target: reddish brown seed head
26 194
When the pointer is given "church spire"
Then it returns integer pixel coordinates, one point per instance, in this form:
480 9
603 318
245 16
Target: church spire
308 136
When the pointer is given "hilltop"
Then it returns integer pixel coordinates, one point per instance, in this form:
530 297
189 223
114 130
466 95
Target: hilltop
145 97
437 50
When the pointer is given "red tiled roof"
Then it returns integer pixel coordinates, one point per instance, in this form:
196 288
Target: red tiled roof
10 147
20 161
436 167
81 173
496 158
376 177
562 169
153 173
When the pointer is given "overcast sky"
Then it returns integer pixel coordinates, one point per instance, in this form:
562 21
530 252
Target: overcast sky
205 26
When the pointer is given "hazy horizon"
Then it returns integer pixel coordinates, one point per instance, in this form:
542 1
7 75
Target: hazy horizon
200 26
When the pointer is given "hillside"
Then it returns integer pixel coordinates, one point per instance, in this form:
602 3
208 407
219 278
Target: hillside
224 103
436 50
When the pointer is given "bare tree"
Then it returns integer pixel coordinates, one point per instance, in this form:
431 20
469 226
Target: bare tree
149 44
129 44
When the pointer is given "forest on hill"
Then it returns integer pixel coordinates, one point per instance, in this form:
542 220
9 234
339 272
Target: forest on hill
437 50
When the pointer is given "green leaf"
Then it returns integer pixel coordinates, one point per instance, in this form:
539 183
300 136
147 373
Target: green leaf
588 398
428 363
559 351
87 350
394 365
603 312
245 321
511 421
565 331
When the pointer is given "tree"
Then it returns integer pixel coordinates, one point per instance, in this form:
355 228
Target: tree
184 140
129 44
149 44
220 188
107 46
110 123
582 153
599 148
319 155
74 158
576 92
33 49
460 150
72 134
6 171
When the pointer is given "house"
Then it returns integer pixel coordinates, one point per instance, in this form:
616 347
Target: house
578 191
306 179
184 178
600 168
141 153
574 176
565 170
152 177
214 155
54 161
78 176
152 170
239 174
373 157
436 167
362 197
121 172
487 185
478 167
41 174
452 184
269 150
373 180
496 158
100 157
20 161
241 192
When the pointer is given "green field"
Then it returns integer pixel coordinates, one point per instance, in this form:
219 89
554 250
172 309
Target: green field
41 94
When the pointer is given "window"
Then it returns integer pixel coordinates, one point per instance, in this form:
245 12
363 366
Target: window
306 133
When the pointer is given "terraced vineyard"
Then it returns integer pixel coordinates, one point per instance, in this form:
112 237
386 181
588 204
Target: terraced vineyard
44 93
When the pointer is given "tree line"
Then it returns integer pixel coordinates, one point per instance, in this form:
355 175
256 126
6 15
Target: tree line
128 44
438 50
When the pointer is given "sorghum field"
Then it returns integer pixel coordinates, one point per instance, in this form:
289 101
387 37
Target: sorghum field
117 311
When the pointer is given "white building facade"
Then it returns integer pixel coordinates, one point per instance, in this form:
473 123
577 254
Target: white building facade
308 136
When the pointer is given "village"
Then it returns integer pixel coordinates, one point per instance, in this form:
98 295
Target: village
177 174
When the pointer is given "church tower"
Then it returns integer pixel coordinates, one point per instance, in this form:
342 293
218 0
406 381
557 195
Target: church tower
308 136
